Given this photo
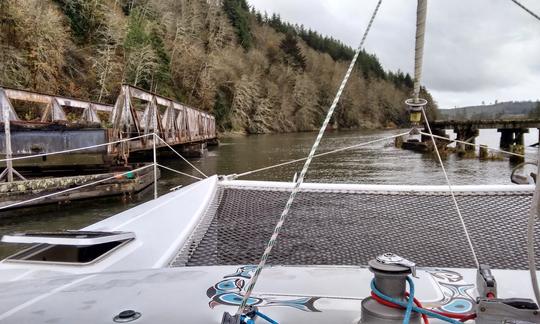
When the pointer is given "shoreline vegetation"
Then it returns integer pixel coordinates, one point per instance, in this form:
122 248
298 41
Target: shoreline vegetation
239 133
256 73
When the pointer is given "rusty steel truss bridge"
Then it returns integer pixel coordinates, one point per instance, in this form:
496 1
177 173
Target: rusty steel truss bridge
67 124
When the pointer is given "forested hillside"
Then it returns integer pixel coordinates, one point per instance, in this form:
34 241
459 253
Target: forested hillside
256 73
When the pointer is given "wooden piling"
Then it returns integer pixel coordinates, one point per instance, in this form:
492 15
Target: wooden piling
398 142
483 153
519 149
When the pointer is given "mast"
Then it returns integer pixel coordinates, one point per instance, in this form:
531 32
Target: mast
416 103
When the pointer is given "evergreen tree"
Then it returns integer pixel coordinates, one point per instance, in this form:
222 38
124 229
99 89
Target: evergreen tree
238 13
293 53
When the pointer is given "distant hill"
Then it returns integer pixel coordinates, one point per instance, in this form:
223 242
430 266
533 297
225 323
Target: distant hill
501 110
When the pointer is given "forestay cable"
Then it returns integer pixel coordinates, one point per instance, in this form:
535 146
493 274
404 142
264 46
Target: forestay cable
451 189
526 9
421 14
300 179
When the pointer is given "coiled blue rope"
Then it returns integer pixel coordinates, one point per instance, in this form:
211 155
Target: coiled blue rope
248 320
411 302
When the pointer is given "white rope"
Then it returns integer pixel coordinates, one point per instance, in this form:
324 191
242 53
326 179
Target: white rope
75 149
234 176
473 144
75 188
183 158
534 213
526 9
300 179
451 189
176 171
421 13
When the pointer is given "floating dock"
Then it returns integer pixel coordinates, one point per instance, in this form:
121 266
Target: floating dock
25 193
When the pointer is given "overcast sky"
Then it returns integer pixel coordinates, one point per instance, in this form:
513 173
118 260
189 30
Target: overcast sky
476 50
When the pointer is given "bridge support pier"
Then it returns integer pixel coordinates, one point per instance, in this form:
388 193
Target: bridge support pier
512 136
194 149
513 140
467 134
507 138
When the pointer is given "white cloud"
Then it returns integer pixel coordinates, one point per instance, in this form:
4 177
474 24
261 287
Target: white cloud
481 50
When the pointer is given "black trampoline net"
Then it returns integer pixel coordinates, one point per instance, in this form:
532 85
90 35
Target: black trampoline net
351 227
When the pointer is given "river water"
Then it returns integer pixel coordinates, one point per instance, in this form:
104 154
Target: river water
378 163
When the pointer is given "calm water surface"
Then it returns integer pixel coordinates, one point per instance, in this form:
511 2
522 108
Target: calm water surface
378 163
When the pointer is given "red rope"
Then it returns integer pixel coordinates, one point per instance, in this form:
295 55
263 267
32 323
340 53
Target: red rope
461 317
389 304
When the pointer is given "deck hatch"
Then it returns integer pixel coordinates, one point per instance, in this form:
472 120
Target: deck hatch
72 247
68 237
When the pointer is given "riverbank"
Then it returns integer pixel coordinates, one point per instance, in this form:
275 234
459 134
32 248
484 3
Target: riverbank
374 127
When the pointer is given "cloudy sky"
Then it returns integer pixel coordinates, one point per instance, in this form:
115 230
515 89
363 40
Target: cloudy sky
476 50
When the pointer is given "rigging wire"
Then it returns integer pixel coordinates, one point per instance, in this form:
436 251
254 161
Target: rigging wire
451 189
180 155
526 9
75 149
178 172
234 176
534 213
421 14
300 179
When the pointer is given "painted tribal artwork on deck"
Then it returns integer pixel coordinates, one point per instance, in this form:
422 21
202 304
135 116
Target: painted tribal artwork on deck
229 292
456 294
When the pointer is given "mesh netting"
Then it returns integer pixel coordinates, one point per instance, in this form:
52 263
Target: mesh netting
350 228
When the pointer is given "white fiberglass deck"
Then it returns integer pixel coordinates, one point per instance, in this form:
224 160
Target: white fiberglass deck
219 222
